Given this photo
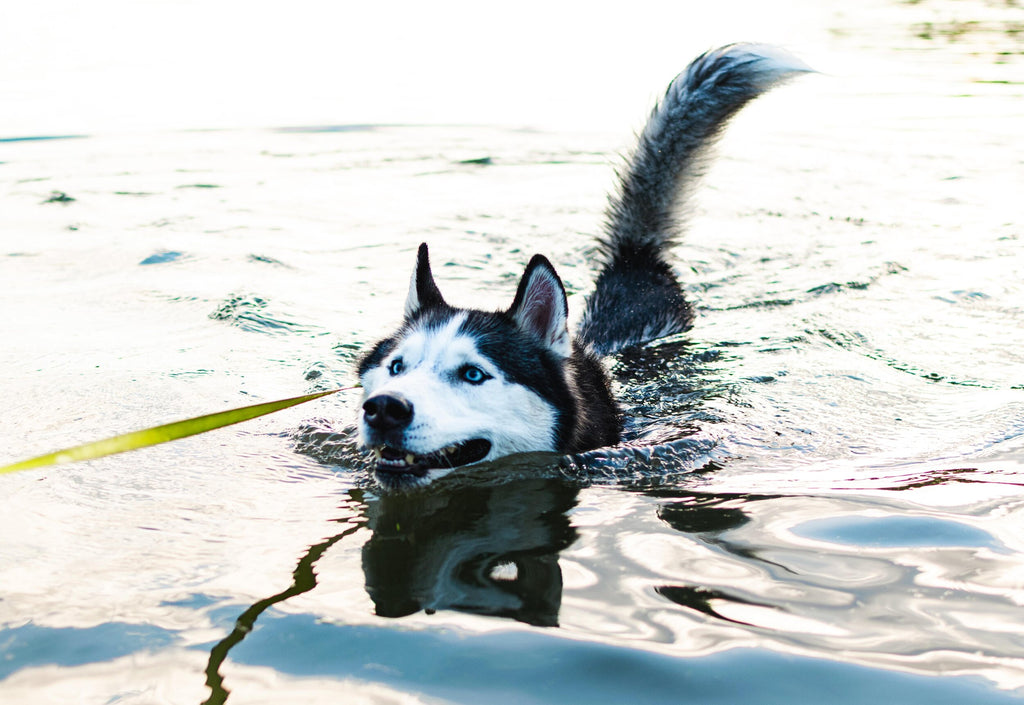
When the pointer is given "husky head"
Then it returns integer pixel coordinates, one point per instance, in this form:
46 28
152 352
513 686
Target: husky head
458 386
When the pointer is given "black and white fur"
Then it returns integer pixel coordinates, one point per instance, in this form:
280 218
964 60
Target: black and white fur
454 386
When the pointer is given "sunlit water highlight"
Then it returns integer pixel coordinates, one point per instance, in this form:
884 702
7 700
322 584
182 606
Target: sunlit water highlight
820 497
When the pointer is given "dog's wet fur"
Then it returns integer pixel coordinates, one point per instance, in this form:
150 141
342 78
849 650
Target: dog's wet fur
455 386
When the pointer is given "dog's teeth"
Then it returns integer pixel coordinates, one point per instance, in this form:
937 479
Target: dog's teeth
410 459
377 453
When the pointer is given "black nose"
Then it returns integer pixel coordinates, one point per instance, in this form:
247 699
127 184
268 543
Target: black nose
387 412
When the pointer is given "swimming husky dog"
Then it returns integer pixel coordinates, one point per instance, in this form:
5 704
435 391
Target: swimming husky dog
455 386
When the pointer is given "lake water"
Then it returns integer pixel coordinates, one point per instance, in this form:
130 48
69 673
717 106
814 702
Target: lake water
823 494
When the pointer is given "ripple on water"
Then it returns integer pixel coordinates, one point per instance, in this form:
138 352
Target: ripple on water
255 314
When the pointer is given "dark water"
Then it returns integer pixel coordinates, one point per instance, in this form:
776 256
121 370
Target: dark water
821 493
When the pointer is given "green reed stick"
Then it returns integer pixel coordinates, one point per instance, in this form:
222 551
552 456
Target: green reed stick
161 434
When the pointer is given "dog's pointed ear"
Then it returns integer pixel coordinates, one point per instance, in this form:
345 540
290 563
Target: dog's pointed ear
423 292
540 307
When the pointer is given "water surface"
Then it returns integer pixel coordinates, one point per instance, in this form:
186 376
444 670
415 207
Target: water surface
821 493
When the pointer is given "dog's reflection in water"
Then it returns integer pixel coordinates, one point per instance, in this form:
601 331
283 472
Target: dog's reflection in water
485 550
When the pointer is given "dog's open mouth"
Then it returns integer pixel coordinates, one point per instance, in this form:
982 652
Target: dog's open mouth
396 461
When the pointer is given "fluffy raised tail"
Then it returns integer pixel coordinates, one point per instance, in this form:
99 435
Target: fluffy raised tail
636 297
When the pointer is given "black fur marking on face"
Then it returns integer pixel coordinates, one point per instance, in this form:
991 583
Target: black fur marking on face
523 360
377 354
568 384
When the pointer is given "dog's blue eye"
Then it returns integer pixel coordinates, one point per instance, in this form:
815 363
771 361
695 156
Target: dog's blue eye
473 375
396 367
